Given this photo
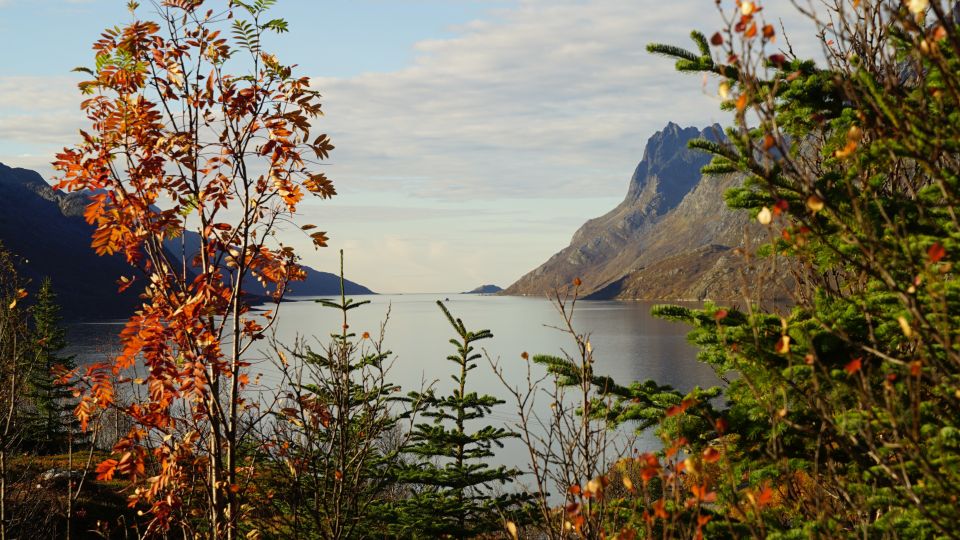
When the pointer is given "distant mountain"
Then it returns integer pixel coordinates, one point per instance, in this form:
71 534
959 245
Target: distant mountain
485 289
317 283
670 239
46 229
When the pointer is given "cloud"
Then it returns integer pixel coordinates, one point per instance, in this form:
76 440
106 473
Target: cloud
547 99
38 117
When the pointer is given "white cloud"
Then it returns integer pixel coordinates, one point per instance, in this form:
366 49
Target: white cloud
551 98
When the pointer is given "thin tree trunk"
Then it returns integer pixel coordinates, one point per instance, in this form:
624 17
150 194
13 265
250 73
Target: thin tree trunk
3 492
69 484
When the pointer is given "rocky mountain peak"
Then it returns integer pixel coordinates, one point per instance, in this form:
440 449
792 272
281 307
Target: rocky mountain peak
666 157
668 233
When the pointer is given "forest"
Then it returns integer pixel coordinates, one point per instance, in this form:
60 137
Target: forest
837 416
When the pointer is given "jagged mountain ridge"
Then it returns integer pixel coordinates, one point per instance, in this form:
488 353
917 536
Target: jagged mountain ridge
46 230
670 238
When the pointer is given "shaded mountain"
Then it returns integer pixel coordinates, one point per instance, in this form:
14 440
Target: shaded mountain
485 289
46 230
670 239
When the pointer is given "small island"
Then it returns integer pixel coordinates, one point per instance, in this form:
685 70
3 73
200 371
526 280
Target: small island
485 289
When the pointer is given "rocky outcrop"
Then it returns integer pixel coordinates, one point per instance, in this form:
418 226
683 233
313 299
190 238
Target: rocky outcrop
485 289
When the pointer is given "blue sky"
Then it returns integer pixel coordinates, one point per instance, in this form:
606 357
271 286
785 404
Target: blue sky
473 136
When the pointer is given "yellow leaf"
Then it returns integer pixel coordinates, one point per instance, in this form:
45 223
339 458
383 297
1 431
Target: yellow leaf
814 203
917 6
724 90
905 326
764 216
512 529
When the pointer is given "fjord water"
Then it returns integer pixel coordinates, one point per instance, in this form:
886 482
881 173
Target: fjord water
628 343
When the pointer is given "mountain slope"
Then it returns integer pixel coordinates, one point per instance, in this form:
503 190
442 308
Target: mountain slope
670 239
46 230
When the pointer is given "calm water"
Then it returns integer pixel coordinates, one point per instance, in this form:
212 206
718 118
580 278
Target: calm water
628 343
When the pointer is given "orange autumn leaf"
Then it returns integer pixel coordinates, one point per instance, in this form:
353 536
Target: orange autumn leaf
702 493
741 102
660 510
679 409
765 496
916 368
853 366
319 239
106 469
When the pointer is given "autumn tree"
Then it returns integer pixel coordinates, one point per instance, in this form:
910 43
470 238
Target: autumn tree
194 126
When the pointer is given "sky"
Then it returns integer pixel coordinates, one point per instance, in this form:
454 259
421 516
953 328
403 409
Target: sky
473 137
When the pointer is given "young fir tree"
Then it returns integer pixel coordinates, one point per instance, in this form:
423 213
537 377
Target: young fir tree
337 435
449 468
49 423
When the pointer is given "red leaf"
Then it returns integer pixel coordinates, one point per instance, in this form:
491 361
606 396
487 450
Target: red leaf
854 365
766 496
677 409
720 314
916 368
716 40
936 252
